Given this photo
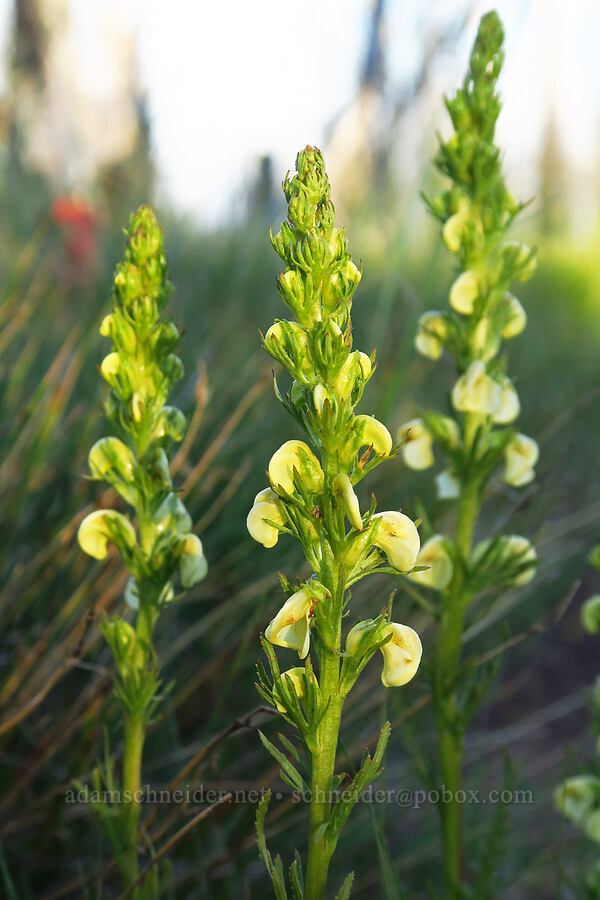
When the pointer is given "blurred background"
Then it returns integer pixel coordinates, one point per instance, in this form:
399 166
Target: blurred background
200 109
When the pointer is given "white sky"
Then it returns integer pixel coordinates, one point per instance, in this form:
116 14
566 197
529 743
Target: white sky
230 80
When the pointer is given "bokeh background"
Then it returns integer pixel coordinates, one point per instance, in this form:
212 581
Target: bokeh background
200 109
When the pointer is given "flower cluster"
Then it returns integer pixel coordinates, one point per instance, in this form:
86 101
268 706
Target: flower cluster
141 370
312 496
305 499
475 213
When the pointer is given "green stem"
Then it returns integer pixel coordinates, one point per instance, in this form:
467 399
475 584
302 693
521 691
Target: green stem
447 713
133 747
132 774
323 768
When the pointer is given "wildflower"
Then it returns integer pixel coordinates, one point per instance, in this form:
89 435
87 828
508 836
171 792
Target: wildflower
521 455
417 444
435 555
401 654
476 391
510 406
432 331
514 558
101 526
192 561
464 292
374 434
291 626
295 457
398 537
265 510
515 317
298 677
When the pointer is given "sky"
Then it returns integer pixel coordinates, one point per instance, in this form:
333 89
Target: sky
229 81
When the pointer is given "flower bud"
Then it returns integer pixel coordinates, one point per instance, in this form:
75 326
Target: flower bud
111 368
192 562
295 457
432 331
476 392
291 626
356 367
590 614
398 537
343 486
171 423
101 526
435 555
417 444
401 655
464 292
521 455
267 508
128 652
172 514
453 231
510 406
578 797
106 325
112 460
297 676
486 340
515 317
374 434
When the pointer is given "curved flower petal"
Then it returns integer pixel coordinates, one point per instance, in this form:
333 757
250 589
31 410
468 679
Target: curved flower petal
266 509
516 317
401 655
192 561
476 392
343 486
521 455
464 292
295 456
447 485
434 554
398 537
417 444
374 433
105 525
510 406
291 626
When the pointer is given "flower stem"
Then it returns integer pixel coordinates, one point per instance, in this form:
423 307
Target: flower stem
132 773
446 709
323 766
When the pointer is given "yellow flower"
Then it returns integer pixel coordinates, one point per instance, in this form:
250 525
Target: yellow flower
431 334
101 526
510 406
476 392
192 561
401 655
295 456
357 365
266 506
110 366
416 450
343 486
521 455
398 537
516 317
453 230
374 433
486 341
464 292
434 554
291 626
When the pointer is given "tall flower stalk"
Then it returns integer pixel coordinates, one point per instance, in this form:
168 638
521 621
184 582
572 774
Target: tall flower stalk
311 497
475 212
141 370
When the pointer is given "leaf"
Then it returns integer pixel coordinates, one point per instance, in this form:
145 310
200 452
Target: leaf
344 891
296 878
295 778
392 888
275 870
